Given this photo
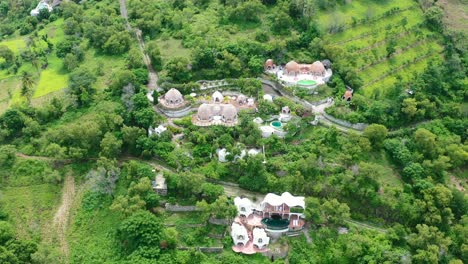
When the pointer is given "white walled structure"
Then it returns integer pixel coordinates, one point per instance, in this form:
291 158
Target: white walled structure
157 131
41 5
260 238
239 234
244 206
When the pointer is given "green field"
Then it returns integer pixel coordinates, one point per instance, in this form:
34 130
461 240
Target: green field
16 44
51 79
31 208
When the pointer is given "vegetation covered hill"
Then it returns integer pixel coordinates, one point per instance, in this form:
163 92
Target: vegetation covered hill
76 162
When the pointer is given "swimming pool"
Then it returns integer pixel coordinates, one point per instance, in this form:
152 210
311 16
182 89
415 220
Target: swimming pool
276 124
307 82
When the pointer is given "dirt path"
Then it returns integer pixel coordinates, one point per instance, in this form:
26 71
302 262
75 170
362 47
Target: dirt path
61 217
152 75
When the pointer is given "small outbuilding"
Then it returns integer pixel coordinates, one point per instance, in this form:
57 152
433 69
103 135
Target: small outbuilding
348 95
159 185
217 97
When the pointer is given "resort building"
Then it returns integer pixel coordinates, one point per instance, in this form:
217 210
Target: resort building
41 5
260 238
285 212
223 153
222 110
172 99
223 113
285 115
244 206
156 131
239 234
217 97
274 216
303 75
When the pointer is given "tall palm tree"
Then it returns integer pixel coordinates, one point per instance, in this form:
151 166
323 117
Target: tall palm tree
27 84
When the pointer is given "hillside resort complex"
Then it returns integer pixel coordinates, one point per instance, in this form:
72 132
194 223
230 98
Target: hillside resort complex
302 75
255 225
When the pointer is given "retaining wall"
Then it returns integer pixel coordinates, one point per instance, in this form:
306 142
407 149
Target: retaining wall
358 126
181 208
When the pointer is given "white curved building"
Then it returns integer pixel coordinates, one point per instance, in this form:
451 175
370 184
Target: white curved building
239 234
217 97
260 238
244 206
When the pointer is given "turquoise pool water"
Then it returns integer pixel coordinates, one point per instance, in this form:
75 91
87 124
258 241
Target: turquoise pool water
276 124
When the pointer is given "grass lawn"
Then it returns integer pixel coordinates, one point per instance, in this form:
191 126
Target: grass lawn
186 218
31 208
172 48
51 79
16 44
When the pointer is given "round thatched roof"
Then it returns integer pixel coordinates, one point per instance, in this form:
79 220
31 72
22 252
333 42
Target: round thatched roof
173 95
317 67
204 112
292 66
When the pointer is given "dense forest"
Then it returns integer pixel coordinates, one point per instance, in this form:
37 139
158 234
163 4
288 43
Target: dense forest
77 163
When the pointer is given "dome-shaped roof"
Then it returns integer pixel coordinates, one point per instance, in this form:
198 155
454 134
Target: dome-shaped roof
269 63
292 66
217 97
317 67
204 112
229 112
216 110
173 95
327 63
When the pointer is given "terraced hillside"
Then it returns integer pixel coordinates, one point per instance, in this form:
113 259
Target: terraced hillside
379 42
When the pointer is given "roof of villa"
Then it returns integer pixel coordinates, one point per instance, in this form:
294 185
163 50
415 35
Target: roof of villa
204 111
173 94
317 67
285 198
229 111
259 233
292 66
238 230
